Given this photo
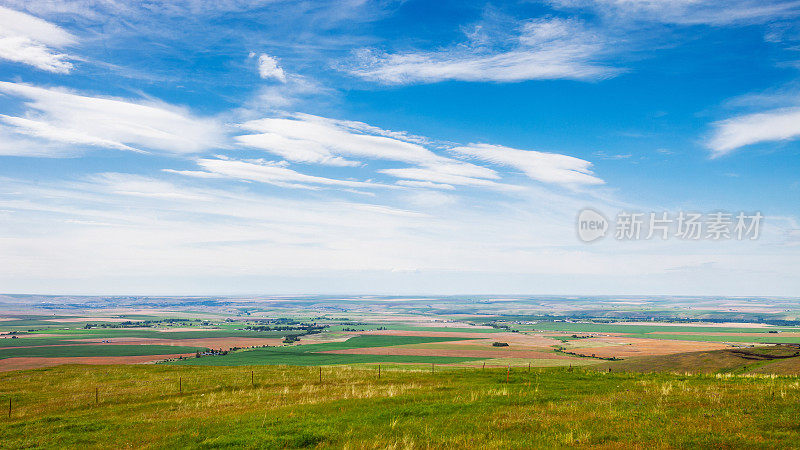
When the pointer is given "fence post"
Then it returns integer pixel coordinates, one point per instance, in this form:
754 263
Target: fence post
96 395
508 374
9 407
379 371
252 379
484 366
180 385
529 367
320 374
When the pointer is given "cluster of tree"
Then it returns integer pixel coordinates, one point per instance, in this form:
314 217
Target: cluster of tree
564 351
211 353
304 328
143 323
127 324
351 323
279 321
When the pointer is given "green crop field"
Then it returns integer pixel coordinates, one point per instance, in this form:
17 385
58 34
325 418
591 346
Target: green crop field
288 407
95 350
438 329
33 341
308 355
275 356
111 333
69 337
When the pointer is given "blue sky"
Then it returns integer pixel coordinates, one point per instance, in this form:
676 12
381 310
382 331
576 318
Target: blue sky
183 147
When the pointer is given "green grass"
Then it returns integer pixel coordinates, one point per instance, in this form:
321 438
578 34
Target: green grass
68 337
403 327
95 350
287 407
111 333
28 342
308 355
274 356
366 340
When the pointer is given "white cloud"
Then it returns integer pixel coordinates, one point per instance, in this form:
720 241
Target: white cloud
46 131
426 184
142 186
298 150
15 144
689 12
268 68
545 167
776 125
442 177
29 40
58 116
274 96
314 139
431 199
268 172
550 48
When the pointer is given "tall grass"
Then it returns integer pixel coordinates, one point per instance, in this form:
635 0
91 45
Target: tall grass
408 407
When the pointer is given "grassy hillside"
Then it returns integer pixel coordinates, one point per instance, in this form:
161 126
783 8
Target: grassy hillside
282 406
778 359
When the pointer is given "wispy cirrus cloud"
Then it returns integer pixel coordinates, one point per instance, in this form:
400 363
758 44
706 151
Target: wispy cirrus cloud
441 178
552 168
314 139
542 49
60 117
270 172
771 126
30 40
306 138
689 12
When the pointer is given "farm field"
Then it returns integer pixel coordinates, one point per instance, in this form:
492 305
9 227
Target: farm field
659 328
324 354
376 330
94 351
287 407
285 374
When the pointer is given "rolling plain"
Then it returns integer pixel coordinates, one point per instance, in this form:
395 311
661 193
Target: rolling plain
399 373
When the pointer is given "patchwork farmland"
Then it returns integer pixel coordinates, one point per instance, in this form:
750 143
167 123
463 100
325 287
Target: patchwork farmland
279 369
